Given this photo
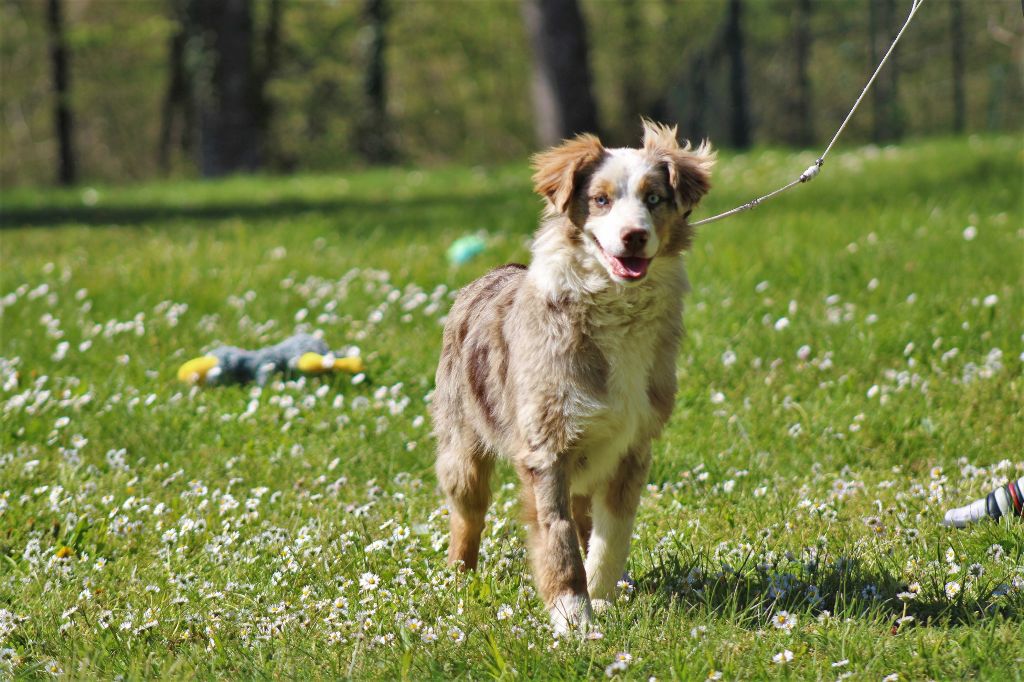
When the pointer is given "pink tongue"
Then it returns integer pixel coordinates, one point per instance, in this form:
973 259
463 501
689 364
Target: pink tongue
630 268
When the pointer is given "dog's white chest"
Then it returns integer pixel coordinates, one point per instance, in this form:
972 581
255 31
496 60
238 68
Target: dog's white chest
625 408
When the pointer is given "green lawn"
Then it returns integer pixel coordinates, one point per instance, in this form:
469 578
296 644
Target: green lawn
853 367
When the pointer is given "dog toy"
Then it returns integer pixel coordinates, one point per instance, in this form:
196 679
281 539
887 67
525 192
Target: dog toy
1007 500
465 249
301 353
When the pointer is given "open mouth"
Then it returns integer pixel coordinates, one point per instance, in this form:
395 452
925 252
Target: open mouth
629 268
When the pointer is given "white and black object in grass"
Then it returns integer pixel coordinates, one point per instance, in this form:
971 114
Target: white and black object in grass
1006 500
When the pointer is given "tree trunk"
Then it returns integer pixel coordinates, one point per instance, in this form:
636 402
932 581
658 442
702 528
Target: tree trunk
632 70
176 100
696 123
739 124
885 105
271 57
956 26
63 121
374 141
562 97
801 123
229 98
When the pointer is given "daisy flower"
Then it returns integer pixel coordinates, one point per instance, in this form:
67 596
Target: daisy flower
369 582
783 657
783 620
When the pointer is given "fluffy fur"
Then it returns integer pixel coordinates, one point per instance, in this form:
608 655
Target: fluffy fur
567 368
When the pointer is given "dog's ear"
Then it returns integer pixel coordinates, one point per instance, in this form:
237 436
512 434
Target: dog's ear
689 168
560 171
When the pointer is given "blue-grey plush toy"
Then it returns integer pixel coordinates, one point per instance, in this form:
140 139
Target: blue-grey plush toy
298 354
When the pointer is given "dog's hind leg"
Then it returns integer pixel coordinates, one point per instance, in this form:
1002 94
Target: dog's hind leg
554 546
464 471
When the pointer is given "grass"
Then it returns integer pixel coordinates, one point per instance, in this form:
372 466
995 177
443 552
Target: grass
853 368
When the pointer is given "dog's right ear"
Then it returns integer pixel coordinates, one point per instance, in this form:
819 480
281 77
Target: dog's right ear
561 170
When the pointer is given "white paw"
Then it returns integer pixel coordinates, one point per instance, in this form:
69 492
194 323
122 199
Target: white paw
571 613
600 605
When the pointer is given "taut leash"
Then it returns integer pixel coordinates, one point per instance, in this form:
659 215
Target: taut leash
813 170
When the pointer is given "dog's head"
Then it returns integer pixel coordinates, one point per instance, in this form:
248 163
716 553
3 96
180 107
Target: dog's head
626 206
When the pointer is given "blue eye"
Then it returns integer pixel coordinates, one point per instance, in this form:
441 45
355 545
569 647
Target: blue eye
653 199
601 200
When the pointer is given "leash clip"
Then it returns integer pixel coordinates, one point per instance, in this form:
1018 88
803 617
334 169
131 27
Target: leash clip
812 170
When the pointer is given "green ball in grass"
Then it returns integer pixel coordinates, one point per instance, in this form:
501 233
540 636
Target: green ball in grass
464 249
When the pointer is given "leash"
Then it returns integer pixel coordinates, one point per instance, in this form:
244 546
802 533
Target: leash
815 168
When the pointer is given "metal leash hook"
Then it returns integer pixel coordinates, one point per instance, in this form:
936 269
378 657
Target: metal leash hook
815 168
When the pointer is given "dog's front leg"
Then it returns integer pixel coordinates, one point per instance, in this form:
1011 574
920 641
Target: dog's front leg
554 547
614 509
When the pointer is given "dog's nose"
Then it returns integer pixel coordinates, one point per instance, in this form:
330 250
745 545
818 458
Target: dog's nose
634 239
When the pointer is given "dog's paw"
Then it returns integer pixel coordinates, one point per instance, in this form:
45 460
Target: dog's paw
571 613
600 605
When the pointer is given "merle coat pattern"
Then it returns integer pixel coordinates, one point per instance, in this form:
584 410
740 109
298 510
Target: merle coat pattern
567 368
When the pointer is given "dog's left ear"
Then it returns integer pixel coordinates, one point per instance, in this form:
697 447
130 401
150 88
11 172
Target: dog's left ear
560 171
689 168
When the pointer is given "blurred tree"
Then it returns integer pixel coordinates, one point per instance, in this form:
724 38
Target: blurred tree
735 45
956 40
801 125
1006 29
268 67
885 93
562 97
63 121
696 123
634 90
374 142
456 73
229 93
177 108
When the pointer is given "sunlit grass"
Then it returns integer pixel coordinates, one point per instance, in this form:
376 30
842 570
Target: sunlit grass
852 368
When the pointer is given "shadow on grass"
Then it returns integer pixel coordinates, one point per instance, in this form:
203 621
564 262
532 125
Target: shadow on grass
986 168
844 588
388 210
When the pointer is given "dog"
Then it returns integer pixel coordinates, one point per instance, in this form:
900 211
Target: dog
567 368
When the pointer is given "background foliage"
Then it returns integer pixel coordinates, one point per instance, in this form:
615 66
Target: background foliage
458 75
